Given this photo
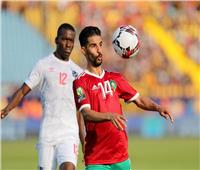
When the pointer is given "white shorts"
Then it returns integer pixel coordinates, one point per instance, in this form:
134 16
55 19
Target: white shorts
49 156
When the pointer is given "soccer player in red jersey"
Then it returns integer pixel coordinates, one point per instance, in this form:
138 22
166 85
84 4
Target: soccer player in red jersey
97 93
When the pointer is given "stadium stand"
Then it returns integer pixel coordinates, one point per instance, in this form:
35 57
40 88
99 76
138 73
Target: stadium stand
166 69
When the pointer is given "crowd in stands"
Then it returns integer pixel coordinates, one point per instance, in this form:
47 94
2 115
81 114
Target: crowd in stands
151 66
183 21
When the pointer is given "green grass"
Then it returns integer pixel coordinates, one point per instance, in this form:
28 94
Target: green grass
168 153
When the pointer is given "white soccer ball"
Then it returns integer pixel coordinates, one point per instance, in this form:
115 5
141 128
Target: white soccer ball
125 41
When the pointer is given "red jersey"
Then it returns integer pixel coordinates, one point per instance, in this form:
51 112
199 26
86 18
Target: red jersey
105 144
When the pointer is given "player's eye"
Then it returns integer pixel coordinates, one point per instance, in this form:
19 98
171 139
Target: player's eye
92 45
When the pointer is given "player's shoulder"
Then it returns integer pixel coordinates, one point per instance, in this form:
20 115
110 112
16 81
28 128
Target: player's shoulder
81 76
75 67
80 79
42 62
113 74
72 63
45 59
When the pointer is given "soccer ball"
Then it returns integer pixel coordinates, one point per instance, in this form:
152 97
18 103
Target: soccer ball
125 41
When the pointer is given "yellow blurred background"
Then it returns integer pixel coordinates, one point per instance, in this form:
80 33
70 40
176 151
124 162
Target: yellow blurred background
166 69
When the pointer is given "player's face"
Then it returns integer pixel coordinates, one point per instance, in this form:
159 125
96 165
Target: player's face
65 43
93 50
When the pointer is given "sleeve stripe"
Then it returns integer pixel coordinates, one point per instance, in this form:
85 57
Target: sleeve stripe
83 106
133 98
28 83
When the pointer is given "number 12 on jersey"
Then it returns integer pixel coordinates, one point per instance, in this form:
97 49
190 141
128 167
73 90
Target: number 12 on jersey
62 78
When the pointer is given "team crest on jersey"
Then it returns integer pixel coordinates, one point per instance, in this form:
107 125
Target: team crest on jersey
113 85
80 94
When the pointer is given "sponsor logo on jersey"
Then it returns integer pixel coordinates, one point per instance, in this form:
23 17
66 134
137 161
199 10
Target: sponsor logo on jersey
95 87
80 94
113 85
51 69
74 74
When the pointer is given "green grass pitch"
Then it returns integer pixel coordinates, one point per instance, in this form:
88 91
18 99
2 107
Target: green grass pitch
160 154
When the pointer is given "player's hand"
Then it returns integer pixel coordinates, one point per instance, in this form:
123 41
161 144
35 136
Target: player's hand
119 121
166 114
4 113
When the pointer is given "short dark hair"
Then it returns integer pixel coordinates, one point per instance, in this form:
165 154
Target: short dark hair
88 32
65 26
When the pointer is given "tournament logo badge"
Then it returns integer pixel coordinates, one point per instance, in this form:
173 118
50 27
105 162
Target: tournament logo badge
80 94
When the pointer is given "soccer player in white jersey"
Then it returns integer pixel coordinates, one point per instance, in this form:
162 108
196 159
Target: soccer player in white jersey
54 74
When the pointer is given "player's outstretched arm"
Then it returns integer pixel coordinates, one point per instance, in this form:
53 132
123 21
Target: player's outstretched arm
148 104
119 121
16 99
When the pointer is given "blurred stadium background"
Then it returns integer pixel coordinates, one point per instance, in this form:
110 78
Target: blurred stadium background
167 69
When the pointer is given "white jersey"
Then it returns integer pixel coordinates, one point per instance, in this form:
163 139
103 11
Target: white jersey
54 78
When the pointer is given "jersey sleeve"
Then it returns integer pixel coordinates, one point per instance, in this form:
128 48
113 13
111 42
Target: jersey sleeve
81 95
126 91
35 76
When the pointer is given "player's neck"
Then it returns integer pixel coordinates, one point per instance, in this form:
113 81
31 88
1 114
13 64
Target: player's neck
64 58
95 70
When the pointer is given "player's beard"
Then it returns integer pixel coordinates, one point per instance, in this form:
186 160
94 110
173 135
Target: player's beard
97 62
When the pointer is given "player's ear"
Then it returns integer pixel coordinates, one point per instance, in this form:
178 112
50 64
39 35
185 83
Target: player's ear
56 40
83 50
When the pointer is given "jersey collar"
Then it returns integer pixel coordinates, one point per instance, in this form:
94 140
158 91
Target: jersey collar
94 75
61 61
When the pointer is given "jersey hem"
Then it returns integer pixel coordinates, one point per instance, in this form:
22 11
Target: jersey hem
27 82
111 162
